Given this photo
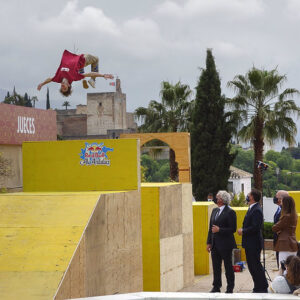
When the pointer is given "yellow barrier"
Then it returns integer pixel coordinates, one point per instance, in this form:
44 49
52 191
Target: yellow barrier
240 215
150 238
296 196
167 236
201 216
107 165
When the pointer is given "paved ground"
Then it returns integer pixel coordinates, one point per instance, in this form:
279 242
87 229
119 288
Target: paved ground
243 280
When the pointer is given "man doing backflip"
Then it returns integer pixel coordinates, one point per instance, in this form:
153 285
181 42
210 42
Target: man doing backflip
71 69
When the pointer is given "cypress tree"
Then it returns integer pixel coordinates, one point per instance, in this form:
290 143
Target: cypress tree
27 101
210 135
48 99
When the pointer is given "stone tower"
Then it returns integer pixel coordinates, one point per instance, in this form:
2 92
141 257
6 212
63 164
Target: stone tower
106 111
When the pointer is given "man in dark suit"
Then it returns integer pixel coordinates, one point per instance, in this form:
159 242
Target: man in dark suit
252 241
220 241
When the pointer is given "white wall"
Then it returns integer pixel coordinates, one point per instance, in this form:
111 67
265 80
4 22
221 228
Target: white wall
237 185
269 209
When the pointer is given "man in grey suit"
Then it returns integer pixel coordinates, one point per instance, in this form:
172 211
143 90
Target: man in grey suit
220 241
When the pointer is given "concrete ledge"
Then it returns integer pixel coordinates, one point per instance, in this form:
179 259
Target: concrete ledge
186 296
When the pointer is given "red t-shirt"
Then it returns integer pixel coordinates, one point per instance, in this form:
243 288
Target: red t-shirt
69 67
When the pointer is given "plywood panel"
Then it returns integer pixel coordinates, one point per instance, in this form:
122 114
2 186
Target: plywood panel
171 263
112 258
187 208
87 165
170 210
188 259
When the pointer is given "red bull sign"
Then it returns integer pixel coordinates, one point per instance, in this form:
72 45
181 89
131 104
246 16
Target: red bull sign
19 124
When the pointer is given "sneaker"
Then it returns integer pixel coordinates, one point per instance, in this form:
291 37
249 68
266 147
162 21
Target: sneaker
84 84
92 82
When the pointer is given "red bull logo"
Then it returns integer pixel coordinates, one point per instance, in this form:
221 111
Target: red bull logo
95 154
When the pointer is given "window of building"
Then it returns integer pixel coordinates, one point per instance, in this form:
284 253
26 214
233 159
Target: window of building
230 186
242 188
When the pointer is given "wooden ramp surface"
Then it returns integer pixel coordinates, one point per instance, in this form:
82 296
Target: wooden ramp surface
39 233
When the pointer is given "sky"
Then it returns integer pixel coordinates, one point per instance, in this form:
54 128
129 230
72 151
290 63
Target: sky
146 42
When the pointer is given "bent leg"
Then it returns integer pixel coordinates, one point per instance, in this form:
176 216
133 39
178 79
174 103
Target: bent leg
93 61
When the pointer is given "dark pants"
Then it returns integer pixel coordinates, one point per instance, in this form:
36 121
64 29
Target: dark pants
217 256
256 270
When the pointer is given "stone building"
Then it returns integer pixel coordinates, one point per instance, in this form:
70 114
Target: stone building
104 116
239 181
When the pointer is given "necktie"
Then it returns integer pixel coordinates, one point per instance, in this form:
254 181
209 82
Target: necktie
217 214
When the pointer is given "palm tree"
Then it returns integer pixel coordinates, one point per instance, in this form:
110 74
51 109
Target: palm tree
263 112
173 114
34 99
66 104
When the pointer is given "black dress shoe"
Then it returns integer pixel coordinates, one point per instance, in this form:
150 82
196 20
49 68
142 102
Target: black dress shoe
261 291
229 291
215 290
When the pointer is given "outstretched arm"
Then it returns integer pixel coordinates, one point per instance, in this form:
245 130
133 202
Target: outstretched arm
43 83
96 74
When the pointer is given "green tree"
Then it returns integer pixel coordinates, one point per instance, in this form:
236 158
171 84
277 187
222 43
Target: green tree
265 113
173 114
295 152
66 104
244 160
27 101
34 99
7 96
48 100
285 160
296 165
15 99
238 200
272 155
210 135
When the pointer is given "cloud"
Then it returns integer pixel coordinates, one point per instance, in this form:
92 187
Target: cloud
293 9
142 38
72 19
232 9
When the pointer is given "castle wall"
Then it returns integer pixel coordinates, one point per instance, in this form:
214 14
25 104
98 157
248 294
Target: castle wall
105 111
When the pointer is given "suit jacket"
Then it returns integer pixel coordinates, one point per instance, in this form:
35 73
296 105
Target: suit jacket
252 225
276 219
285 229
224 239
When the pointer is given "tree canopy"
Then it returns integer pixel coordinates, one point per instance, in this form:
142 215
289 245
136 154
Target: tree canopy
210 135
262 112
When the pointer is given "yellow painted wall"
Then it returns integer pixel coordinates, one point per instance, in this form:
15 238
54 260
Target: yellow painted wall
38 236
55 166
200 226
298 229
296 196
240 215
201 216
150 237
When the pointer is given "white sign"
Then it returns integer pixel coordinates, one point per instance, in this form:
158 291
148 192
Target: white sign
26 125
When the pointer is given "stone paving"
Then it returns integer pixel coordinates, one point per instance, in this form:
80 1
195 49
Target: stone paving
243 280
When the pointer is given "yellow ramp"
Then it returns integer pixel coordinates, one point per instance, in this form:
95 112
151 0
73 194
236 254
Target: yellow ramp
39 233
